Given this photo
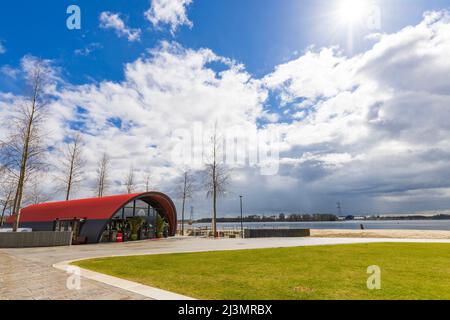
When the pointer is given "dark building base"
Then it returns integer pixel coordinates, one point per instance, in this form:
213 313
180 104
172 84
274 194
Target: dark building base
276 233
91 229
35 239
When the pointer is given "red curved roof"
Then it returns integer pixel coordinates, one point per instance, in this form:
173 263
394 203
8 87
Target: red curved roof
95 208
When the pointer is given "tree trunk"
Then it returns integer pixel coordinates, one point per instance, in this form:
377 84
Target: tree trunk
184 202
5 206
3 213
215 213
182 216
25 155
69 182
214 221
19 193
23 167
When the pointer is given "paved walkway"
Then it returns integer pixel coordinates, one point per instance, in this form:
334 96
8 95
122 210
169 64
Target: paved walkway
22 279
28 273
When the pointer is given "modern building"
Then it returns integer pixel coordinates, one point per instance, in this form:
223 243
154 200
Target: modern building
107 219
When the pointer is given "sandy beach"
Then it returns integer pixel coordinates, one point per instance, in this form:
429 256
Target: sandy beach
404 234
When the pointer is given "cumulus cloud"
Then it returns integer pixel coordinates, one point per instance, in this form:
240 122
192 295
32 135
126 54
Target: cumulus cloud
315 74
9 71
169 88
86 51
109 20
370 131
169 12
382 111
2 48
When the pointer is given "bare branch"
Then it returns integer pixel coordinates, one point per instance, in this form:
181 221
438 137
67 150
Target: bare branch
103 175
130 181
22 152
216 174
35 194
72 165
187 187
7 189
148 179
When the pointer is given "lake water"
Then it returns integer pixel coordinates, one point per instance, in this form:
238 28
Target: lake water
406 225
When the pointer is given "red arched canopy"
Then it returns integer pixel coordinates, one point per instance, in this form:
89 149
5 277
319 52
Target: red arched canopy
97 208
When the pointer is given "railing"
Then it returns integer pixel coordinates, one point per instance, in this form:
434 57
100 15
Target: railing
237 232
203 231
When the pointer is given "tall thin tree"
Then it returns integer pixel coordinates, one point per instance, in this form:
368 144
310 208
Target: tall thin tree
7 188
103 175
130 181
185 192
148 179
72 165
35 194
216 174
23 149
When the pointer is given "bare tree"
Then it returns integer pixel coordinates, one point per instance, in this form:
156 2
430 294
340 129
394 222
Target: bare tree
130 181
35 194
7 188
216 175
148 178
185 192
23 148
72 165
103 175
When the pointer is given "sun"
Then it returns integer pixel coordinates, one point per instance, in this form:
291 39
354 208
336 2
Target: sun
351 11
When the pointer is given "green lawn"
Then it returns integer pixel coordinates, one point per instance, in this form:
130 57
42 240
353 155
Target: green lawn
409 271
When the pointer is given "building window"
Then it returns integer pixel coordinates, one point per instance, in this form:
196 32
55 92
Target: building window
119 222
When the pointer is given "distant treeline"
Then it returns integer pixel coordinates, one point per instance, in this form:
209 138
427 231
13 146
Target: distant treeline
280 218
318 217
415 217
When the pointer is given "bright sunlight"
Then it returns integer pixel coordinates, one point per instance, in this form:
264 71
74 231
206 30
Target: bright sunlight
351 11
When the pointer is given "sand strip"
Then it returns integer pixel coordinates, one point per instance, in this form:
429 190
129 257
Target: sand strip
404 234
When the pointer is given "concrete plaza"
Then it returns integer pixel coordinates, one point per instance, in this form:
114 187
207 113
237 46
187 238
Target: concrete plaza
29 273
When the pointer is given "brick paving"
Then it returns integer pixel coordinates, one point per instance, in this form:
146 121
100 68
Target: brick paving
21 279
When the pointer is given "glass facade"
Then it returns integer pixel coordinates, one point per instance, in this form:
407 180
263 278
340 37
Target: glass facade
137 208
122 228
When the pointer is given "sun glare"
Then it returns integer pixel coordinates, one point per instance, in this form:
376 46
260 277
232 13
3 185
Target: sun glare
351 11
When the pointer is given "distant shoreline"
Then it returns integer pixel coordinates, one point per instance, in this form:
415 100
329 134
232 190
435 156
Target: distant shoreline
338 219
381 233
443 225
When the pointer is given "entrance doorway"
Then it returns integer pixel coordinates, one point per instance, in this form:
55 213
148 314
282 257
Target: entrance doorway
73 225
120 230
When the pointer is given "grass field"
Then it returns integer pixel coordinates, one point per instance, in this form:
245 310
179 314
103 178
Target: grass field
409 271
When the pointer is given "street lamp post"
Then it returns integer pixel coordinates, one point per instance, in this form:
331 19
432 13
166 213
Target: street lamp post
242 219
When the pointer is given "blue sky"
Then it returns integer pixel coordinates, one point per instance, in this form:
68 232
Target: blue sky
360 121
259 33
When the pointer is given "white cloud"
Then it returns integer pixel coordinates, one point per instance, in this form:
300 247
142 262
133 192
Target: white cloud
313 75
169 12
86 51
109 20
371 131
170 88
384 111
9 71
